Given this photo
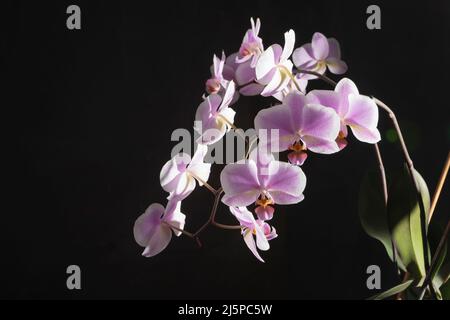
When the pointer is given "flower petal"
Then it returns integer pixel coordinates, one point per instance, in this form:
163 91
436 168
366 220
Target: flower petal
345 87
158 241
318 125
334 49
185 186
362 117
200 172
273 85
146 225
252 89
240 184
212 134
320 46
336 66
170 175
320 145
244 216
261 240
275 118
228 96
289 42
264 213
174 217
303 57
250 242
245 73
266 62
286 182
330 99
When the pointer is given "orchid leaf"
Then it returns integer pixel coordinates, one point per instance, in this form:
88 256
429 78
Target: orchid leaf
442 268
392 291
373 213
405 220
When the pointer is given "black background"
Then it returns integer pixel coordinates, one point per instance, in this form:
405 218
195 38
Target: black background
90 113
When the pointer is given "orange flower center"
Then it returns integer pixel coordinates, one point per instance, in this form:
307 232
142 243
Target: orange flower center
264 202
298 146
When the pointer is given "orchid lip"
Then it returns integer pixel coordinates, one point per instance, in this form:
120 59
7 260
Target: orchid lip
264 202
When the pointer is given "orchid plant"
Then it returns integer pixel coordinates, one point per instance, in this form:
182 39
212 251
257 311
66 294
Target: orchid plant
301 122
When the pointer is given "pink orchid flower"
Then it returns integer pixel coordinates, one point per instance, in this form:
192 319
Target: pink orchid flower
264 181
245 76
242 73
214 117
301 82
252 45
357 111
273 66
221 73
179 174
303 125
320 54
153 230
252 229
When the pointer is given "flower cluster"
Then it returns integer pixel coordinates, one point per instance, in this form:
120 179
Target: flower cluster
316 121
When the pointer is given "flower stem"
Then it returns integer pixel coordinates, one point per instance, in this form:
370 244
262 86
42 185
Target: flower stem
226 226
445 235
439 187
385 196
290 75
228 122
186 233
319 75
207 185
410 166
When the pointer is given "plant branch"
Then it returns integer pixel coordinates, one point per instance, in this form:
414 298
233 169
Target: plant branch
439 187
318 75
226 226
382 173
211 220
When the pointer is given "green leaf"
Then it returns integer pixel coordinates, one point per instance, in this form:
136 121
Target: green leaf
442 269
392 291
405 220
445 291
372 211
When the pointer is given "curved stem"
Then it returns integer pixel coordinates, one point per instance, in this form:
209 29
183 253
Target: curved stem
321 76
290 75
211 220
186 233
226 226
207 185
410 166
385 196
382 173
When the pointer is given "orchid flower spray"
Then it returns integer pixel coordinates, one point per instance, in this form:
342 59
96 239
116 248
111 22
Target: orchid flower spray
295 124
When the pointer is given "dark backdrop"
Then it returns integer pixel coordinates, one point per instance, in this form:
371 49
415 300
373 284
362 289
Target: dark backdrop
90 114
